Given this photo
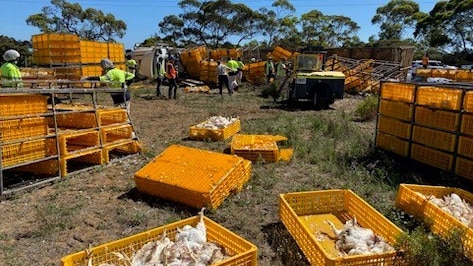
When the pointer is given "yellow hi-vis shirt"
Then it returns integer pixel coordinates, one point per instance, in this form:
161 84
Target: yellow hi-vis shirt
115 78
11 75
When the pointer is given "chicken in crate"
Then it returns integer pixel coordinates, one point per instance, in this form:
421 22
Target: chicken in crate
337 227
215 128
193 241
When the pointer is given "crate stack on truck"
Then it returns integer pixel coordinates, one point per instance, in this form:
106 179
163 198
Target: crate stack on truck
429 123
73 58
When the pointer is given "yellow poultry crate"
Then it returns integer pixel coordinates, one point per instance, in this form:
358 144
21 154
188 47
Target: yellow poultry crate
215 134
392 144
438 97
305 214
16 129
111 134
121 146
398 91
21 152
242 252
88 119
432 157
394 127
256 147
412 199
197 178
72 141
22 104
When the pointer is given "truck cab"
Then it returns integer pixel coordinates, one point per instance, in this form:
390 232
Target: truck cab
312 83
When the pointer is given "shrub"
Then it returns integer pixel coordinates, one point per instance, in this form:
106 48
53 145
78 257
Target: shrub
367 109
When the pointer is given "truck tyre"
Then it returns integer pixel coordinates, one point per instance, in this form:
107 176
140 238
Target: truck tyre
325 96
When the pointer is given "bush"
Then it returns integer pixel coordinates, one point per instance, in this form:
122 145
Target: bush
368 109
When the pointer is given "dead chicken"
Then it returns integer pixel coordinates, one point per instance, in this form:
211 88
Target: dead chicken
353 239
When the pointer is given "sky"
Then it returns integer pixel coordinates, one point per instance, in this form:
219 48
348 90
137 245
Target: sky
142 16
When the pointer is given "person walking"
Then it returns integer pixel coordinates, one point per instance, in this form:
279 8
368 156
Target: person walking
116 79
171 75
270 70
160 74
233 65
11 75
131 67
222 70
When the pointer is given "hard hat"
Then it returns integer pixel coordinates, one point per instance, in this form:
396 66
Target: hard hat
11 55
106 63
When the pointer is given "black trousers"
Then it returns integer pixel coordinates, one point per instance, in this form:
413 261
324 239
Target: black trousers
223 79
172 88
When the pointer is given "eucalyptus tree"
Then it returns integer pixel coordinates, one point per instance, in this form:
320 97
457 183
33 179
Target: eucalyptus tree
64 17
448 25
328 31
211 23
277 22
395 18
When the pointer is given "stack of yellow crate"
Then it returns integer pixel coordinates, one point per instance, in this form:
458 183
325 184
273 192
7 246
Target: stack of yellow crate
195 177
23 132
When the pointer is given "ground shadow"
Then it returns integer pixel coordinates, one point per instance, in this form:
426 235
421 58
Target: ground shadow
284 245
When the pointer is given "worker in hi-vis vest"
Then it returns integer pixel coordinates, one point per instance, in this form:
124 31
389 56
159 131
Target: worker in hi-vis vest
11 75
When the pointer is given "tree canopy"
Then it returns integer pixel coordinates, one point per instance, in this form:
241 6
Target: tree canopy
89 24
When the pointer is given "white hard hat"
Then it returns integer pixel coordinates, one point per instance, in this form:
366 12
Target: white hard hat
106 63
11 55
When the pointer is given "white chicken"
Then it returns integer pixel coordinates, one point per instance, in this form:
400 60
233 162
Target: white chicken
217 122
353 239
454 205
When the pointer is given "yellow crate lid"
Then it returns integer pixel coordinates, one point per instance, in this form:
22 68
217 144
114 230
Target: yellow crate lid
255 142
190 168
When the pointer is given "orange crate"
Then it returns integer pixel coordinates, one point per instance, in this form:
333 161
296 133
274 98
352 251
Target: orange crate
411 199
191 176
241 251
394 127
255 147
465 146
305 213
123 147
445 98
393 144
432 157
116 133
71 141
398 110
215 134
49 167
434 138
468 101
464 167
17 129
467 124
398 91
437 118
23 152
22 104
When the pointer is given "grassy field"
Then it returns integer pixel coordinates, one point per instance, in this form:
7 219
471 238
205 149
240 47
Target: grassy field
333 149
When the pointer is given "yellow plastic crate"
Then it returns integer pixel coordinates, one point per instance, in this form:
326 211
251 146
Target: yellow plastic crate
394 127
395 109
215 134
432 157
465 146
22 104
434 138
22 128
464 167
392 144
93 156
22 152
411 199
255 147
128 146
82 120
241 251
305 213
197 178
446 98
437 118
398 91
71 141
468 101
467 124
111 134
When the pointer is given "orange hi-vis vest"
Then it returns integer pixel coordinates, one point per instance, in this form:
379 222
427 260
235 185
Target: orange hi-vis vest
170 71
